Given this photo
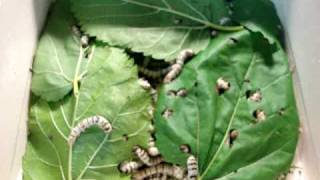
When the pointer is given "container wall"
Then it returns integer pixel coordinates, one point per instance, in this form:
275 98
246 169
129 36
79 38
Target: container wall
301 21
21 22
20 25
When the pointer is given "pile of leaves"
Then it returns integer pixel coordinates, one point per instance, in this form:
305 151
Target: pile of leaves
87 64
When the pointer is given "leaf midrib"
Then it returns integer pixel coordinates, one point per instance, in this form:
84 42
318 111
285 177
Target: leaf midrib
252 62
172 11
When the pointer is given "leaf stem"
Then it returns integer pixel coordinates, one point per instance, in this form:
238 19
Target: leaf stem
76 75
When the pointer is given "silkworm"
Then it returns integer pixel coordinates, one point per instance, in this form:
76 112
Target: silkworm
154 73
99 121
145 158
152 149
84 40
192 166
129 167
177 67
163 169
222 85
260 115
144 84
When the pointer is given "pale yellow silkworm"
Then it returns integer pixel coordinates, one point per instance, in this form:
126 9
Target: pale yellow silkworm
145 158
177 67
129 167
99 121
192 166
144 84
163 169
152 149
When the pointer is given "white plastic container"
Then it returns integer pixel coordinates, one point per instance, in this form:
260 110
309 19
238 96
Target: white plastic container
20 26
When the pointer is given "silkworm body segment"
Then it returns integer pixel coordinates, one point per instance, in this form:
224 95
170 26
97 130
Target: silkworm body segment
192 166
99 121
177 67
129 167
163 169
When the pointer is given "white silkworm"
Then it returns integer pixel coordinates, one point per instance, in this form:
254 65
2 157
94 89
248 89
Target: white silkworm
192 166
84 40
163 169
145 158
99 121
177 67
144 84
154 73
129 167
152 149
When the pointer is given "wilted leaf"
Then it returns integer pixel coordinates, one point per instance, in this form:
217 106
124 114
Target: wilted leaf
259 147
110 89
159 28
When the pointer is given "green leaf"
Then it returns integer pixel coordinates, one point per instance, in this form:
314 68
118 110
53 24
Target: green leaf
110 89
258 15
59 60
204 118
159 28
112 92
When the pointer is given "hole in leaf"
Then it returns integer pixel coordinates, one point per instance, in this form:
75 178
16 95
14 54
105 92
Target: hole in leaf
260 115
281 111
247 81
234 40
167 113
195 84
182 92
233 135
185 148
214 33
222 86
255 96
171 93
125 137
177 21
50 137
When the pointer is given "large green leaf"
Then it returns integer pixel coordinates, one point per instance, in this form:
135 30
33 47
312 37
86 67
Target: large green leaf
204 118
58 55
161 28
110 89
112 92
